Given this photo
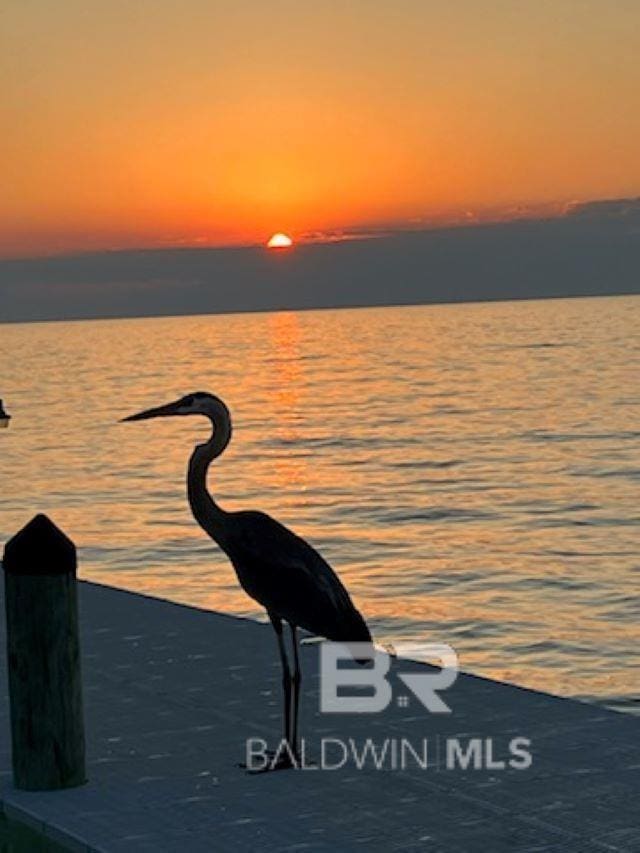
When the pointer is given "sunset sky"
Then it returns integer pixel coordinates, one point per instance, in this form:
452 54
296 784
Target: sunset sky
158 122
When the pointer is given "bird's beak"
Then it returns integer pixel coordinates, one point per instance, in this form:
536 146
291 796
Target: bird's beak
159 412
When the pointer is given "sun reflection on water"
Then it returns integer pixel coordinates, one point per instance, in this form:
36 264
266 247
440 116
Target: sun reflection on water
471 471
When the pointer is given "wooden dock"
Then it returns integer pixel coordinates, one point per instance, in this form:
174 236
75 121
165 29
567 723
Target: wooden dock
171 694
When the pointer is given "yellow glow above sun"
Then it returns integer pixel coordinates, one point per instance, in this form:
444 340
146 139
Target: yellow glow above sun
279 241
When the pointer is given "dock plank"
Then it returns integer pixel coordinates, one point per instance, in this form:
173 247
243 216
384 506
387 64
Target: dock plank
172 693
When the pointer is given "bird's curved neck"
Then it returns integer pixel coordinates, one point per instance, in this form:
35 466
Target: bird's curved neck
205 510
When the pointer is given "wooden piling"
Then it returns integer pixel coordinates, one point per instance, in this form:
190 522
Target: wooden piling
43 654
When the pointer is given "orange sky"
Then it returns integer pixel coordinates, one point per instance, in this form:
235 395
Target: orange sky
158 122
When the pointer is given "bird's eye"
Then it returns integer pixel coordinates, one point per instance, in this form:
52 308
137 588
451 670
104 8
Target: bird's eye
188 401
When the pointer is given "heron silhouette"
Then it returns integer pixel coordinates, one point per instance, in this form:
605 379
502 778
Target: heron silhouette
274 566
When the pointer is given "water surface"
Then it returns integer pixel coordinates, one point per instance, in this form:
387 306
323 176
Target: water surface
472 471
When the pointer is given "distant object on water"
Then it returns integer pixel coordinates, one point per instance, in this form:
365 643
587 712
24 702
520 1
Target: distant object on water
275 567
4 417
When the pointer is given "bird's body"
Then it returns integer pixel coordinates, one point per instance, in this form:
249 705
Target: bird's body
291 579
277 568
274 566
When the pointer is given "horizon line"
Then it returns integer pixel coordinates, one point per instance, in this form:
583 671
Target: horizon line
450 303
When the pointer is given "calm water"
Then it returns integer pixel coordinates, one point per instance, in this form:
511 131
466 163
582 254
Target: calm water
472 471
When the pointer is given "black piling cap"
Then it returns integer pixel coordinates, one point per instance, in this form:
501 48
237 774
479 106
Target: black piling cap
40 548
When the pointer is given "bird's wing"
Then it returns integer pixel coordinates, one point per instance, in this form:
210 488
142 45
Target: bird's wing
291 579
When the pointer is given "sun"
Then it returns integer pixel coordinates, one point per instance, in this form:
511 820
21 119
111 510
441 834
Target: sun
280 241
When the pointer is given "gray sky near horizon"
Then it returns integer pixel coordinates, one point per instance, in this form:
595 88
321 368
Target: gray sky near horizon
594 249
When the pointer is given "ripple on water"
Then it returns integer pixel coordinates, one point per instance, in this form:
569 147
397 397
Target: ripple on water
470 470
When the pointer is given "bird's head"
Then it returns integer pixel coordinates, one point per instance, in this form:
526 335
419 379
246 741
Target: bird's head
199 403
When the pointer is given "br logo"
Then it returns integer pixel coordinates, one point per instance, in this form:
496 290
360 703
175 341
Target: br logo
336 680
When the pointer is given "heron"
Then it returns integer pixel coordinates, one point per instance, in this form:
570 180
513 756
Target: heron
274 566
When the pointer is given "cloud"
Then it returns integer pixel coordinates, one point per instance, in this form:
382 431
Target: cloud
627 209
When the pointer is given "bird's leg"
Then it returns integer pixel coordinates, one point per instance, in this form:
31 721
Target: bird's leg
286 678
285 756
297 679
